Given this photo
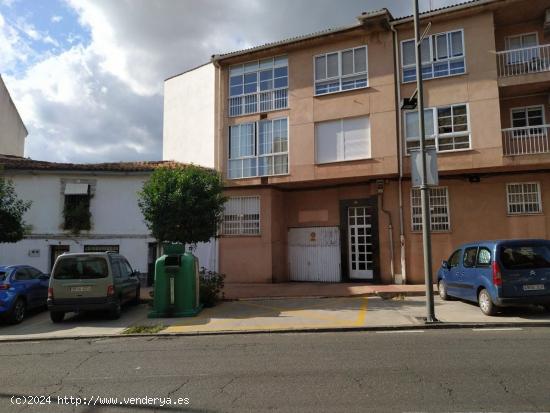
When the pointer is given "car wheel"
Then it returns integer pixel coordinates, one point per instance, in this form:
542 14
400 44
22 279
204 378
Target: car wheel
18 311
116 311
137 297
442 288
485 303
57 316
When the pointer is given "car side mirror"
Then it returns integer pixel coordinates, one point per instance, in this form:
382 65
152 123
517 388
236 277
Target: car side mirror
445 264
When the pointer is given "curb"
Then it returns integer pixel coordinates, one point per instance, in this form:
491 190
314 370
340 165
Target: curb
431 326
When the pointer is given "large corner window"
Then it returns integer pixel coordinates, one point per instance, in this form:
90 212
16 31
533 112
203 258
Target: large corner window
439 209
258 86
342 70
523 198
258 149
241 216
76 210
342 140
442 55
446 128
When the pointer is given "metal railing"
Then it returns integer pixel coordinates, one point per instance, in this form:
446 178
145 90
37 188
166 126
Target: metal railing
258 102
515 62
528 140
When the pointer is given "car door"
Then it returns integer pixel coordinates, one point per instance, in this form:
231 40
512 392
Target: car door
117 277
42 281
26 286
451 272
129 280
469 273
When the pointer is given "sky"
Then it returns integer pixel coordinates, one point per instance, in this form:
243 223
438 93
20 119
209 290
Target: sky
87 75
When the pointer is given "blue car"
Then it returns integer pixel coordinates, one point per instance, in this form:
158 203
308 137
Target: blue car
22 288
498 274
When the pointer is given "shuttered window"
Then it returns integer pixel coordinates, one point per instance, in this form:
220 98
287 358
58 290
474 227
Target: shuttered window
342 140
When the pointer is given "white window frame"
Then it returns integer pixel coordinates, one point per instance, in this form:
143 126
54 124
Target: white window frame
436 135
522 203
240 230
277 97
520 36
340 79
256 154
526 109
369 138
417 227
433 60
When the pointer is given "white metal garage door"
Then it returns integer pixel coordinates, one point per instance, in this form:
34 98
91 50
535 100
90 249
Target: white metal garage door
314 254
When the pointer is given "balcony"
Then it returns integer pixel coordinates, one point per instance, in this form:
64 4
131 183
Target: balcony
258 102
527 60
529 140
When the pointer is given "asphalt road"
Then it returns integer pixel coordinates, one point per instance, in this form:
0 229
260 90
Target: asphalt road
434 370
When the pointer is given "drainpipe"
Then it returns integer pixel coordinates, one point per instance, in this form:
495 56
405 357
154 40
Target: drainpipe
380 185
217 143
400 157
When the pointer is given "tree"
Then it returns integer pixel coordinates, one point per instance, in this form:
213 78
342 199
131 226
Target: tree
12 209
183 203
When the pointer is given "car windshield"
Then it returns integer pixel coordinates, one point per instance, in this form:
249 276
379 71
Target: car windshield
81 267
3 275
525 257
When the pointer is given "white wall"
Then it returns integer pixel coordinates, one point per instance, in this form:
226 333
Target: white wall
135 250
114 205
12 129
189 116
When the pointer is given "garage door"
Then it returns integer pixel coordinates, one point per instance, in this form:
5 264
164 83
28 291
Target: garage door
314 254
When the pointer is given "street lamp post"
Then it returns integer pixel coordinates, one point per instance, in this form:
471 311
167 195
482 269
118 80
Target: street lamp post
424 188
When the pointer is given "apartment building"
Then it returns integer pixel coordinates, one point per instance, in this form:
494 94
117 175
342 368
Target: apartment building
315 149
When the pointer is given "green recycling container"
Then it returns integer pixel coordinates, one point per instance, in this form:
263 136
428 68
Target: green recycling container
176 284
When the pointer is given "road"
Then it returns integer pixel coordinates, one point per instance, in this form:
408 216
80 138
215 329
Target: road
431 371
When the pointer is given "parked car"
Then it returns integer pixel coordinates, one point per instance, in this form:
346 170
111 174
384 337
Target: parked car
22 288
91 282
498 273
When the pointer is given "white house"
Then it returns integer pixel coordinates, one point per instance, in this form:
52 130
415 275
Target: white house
108 191
12 129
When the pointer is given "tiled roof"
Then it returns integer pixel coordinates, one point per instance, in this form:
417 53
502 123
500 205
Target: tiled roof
441 9
9 162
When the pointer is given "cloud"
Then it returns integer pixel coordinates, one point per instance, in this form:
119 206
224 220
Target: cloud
56 19
101 100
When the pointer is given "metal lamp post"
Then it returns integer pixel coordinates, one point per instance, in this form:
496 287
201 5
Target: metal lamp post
424 188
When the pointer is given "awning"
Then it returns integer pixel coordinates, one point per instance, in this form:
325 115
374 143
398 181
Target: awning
76 189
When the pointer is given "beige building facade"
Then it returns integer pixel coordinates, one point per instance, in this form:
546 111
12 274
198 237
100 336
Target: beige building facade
315 149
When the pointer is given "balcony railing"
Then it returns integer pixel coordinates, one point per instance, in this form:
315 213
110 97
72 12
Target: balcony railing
527 140
258 102
515 62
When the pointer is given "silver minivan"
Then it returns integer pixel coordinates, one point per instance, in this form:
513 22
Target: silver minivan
99 281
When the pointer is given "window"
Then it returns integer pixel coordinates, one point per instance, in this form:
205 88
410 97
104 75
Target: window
523 198
258 86
454 259
242 216
446 128
258 149
73 268
515 44
439 209
442 55
77 213
342 70
483 257
101 248
525 257
469 257
342 140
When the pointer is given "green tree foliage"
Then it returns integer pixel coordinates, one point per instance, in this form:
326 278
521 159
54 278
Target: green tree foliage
182 204
12 209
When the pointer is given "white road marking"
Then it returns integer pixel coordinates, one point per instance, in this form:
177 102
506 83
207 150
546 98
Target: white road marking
498 329
399 331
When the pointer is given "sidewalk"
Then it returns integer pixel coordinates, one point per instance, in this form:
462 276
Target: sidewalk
280 315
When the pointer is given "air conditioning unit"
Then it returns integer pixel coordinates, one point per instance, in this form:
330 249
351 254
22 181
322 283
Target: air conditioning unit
546 26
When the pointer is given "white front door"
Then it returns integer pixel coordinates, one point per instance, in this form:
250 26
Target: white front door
360 243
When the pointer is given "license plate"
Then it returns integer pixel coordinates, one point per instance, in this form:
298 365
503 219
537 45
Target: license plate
533 287
80 289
